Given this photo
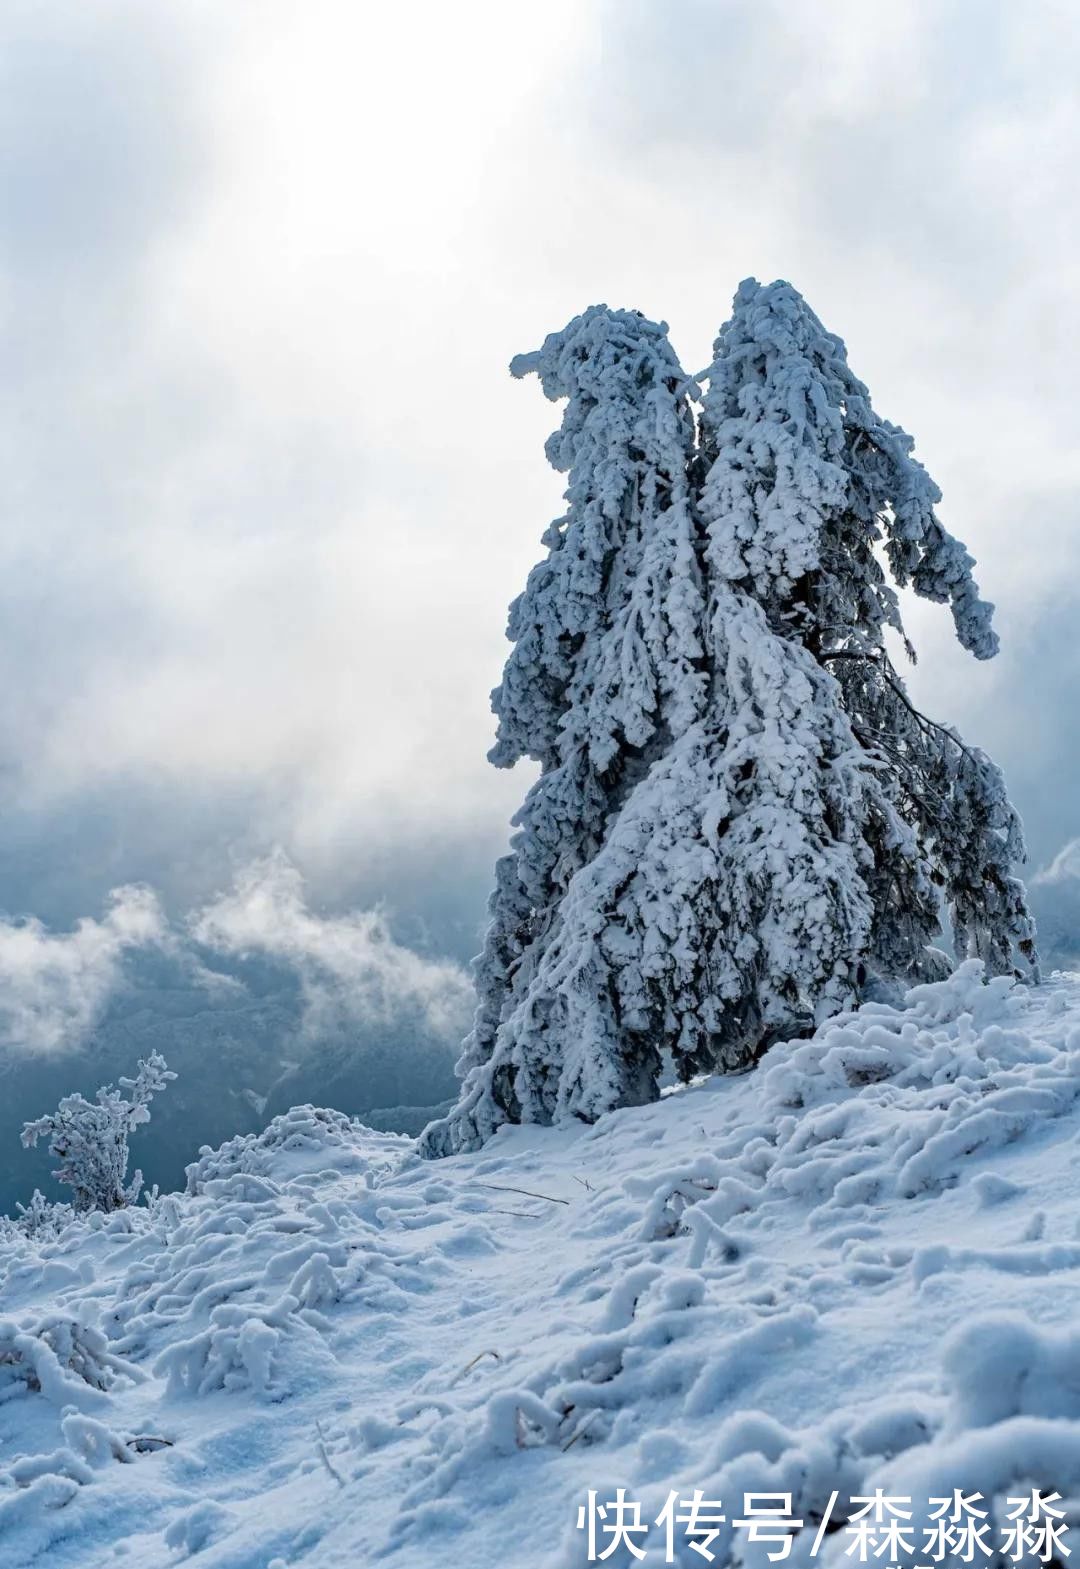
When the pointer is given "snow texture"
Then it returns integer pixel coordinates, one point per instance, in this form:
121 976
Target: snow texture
857 1267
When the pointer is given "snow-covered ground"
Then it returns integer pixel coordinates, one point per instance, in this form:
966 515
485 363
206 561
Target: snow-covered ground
856 1267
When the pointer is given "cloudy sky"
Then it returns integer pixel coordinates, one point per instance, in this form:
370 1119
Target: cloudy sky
267 485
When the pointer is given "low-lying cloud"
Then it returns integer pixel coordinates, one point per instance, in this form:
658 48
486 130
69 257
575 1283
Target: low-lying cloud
1065 866
55 985
349 965
1055 899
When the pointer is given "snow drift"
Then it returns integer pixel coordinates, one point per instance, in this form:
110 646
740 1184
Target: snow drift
857 1267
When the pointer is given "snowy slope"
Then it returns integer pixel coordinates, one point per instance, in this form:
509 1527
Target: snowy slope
858 1266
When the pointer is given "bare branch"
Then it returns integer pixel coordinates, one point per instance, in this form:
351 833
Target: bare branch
499 1187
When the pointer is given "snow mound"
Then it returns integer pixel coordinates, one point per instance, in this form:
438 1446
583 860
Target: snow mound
857 1267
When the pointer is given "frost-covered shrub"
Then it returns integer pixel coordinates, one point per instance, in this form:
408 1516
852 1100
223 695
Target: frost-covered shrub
68 1362
39 1221
269 1347
90 1138
298 1129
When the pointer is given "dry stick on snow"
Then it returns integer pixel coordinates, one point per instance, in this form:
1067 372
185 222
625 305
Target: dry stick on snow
526 1214
499 1187
320 1447
479 1357
589 1420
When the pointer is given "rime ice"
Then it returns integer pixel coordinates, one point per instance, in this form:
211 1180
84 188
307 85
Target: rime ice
742 824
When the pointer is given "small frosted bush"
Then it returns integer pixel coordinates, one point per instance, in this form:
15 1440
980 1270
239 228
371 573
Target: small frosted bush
90 1138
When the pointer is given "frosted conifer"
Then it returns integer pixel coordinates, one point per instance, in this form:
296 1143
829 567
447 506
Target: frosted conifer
607 667
802 482
742 823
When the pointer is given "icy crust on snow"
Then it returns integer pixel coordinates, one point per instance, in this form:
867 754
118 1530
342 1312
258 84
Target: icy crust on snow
856 1267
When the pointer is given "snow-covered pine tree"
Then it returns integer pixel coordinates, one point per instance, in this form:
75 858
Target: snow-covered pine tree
740 820
607 667
802 481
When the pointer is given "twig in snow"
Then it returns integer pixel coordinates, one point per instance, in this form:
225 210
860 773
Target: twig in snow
585 1183
498 1187
479 1357
589 1420
526 1214
320 1447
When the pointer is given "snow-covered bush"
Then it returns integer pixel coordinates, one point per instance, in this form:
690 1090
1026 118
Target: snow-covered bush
68 1362
90 1138
301 1128
742 824
40 1220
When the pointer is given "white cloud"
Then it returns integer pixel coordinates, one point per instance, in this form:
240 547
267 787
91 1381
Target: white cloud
268 488
54 986
271 566
349 965
1064 868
